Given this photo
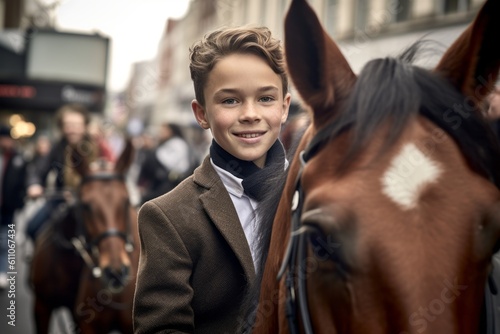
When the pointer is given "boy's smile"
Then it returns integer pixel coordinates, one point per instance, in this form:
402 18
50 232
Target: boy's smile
244 106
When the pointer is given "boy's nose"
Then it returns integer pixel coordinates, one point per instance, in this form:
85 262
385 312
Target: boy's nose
249 113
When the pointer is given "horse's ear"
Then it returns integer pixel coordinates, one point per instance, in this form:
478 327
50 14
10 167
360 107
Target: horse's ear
126 158
473 61
316 65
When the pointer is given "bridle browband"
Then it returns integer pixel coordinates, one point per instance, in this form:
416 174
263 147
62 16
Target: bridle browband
81 242
296 252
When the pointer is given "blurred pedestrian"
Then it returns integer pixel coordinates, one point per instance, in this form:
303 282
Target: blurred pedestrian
35 160
42 146
40 151
143 144
72 120
167 165
98 135
12 186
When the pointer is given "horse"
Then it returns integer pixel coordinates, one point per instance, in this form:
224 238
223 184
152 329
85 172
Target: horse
390 213
86 259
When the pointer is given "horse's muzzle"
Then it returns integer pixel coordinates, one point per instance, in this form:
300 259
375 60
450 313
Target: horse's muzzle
116 279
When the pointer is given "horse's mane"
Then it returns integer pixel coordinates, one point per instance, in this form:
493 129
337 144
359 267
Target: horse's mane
268 206
61 227
395 91
266 212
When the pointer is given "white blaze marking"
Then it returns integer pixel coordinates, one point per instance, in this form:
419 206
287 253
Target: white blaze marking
410 171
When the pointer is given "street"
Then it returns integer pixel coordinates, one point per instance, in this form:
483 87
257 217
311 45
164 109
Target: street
17 297
19 319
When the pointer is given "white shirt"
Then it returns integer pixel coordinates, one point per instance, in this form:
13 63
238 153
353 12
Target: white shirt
245 207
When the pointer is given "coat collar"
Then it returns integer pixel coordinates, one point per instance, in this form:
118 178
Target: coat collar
219 207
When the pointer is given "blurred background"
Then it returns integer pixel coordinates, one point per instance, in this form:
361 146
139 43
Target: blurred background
127 61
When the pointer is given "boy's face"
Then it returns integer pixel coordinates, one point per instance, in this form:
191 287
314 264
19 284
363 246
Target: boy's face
244 106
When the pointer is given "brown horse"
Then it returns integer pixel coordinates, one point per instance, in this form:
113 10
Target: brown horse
86 260
392 208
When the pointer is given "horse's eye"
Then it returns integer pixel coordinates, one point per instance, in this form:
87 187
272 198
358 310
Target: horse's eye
324 246
327 249
328 240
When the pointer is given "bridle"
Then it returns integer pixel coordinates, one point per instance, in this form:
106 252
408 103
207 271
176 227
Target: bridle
87 246
296 252
295 257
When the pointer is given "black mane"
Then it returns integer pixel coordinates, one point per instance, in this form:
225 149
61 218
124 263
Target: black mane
266 212
393 90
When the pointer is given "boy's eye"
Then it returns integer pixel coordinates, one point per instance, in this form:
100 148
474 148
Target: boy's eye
229 101
267 99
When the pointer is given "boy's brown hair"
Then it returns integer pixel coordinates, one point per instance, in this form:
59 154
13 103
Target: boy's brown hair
220 43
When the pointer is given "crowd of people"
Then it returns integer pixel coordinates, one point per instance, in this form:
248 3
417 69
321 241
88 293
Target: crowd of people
44 172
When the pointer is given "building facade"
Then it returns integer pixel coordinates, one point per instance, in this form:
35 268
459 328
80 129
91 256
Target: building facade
42 68
364 29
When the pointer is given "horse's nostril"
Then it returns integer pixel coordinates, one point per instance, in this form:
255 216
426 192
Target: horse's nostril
116 278
125 270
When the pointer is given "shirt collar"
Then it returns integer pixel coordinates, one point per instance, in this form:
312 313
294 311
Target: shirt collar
232 183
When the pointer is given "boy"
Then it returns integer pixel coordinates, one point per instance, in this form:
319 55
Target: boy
198 241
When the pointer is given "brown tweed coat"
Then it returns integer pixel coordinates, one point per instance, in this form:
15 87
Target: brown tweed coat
195 263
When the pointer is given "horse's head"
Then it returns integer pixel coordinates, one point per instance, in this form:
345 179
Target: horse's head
106 224
399 209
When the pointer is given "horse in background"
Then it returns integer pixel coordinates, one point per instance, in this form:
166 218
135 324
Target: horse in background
87 259
391 207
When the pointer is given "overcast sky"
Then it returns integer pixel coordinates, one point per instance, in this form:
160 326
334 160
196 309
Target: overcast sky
134 26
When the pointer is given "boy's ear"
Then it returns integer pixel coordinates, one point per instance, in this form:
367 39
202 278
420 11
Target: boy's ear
199 114
286 107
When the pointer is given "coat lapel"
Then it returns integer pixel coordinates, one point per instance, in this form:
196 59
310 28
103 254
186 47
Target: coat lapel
220 209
